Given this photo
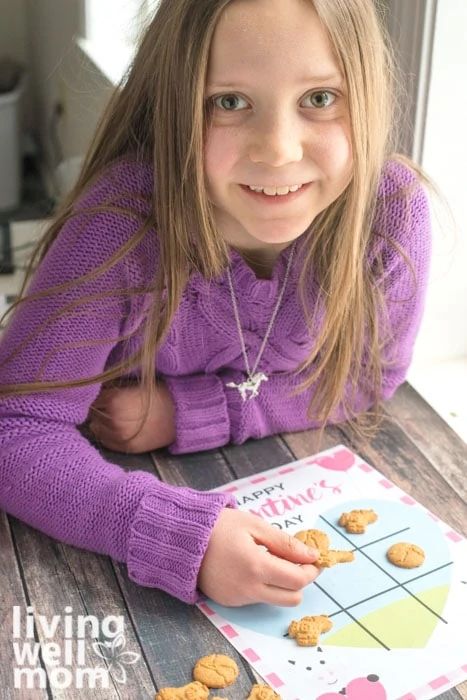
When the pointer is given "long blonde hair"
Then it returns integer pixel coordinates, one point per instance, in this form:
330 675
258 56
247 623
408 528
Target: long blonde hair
157 115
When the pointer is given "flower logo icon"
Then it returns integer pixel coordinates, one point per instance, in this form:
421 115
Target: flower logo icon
115 656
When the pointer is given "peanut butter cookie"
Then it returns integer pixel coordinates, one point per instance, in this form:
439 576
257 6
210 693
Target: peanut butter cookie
215 671
320 541
313 538
406 555
357 520
192 691
307 630
263 692
334 556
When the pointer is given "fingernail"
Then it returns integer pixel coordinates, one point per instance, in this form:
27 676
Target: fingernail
313 552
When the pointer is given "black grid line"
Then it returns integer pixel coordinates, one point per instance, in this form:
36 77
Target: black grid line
352 617
393 588
399 584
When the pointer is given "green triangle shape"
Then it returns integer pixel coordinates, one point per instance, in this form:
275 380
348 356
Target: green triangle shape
404 624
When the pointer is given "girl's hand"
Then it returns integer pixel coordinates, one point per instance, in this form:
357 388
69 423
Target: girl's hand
117 413
238 570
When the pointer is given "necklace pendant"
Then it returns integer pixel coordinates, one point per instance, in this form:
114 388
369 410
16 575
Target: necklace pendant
249 388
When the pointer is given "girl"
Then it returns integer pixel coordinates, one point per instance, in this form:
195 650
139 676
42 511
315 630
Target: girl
243 256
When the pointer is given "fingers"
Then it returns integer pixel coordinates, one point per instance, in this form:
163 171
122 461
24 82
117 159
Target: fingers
285 546
279 573
271 595
249 561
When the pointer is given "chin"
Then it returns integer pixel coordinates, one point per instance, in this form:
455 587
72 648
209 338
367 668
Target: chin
278 236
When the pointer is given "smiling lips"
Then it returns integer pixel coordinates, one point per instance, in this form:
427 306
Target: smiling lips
272 191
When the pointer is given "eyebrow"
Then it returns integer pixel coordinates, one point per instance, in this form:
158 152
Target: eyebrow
322 79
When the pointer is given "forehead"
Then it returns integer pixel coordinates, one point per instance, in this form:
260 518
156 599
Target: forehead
275 37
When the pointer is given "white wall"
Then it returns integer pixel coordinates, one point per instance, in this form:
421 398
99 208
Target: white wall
40 34
13 30
444 330
14 45
59 71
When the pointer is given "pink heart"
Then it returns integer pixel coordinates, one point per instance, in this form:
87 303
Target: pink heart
359 689
339 461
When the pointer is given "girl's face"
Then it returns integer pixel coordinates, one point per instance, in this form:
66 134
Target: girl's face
278 150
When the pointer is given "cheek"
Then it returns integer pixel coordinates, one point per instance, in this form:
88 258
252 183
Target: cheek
334 151
220 155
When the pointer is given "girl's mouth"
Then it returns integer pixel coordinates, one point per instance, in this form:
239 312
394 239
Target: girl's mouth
276 195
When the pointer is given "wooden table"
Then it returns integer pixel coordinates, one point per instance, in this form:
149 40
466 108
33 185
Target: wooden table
414 448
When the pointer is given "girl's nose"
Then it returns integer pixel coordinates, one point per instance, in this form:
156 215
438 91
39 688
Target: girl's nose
276 141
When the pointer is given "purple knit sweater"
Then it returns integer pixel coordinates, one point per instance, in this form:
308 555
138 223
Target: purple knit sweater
53 479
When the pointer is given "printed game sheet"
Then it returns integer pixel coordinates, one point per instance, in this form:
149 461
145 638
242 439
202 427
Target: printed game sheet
397 634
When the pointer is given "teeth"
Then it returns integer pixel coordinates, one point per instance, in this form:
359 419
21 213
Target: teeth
272 191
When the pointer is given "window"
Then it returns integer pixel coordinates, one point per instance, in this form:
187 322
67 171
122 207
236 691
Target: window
111 29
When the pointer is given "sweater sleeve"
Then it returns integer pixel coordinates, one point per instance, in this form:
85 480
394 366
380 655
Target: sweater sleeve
219 414
51 477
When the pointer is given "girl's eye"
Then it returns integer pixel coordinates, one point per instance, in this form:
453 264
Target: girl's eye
230 103
321 99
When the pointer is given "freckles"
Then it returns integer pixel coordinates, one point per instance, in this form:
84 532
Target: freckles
220 152
334 148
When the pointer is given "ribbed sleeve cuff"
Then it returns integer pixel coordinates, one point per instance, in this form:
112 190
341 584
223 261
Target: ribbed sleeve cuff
169 537
201 417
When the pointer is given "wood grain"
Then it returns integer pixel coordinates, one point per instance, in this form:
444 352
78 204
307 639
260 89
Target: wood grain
257 456
174 636
413 448
437 441
203 470
57 578
12 595
394 454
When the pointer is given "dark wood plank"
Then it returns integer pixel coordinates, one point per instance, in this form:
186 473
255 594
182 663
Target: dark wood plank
256 456
58 577
462 690
174 636
394 454
163 622
201 470
69 579
446 451
310 442
452 694
101 596
12 595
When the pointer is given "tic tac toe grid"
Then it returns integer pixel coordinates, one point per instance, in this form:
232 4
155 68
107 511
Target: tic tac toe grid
375 583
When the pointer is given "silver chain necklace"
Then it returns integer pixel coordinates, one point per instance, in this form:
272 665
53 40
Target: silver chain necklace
249 388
